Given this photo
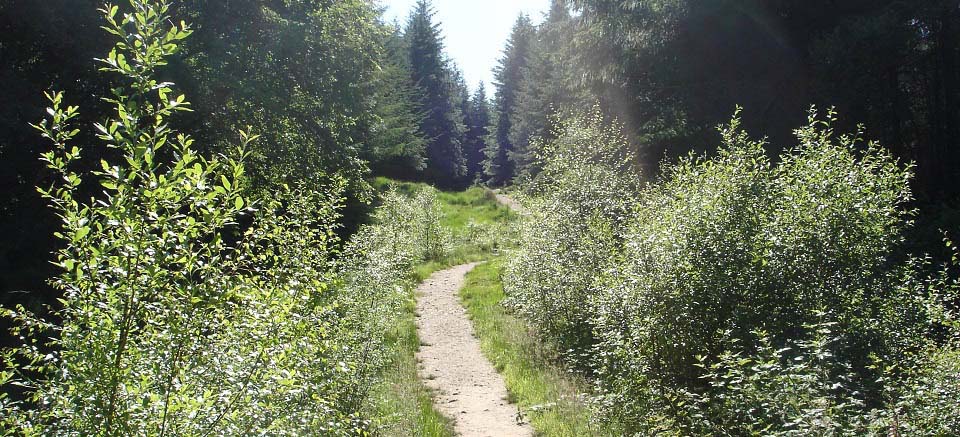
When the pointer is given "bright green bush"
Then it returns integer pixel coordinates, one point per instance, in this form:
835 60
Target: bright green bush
573 230
738 295
730 245
189 307
414 220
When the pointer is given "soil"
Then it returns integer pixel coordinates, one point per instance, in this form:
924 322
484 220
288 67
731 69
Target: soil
467 387
510 202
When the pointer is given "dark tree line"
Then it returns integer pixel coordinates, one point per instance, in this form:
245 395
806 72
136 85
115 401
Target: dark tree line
336 94
673 69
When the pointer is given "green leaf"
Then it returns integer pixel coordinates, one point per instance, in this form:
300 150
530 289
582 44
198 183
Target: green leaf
81 233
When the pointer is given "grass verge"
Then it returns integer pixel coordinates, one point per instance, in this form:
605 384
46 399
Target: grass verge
402 405
547 395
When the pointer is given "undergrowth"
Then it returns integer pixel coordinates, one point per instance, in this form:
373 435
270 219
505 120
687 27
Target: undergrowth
740 294
193 305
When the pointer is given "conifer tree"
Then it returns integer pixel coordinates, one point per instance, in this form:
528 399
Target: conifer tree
546 89
397 146
462 93
498 167
442 124
478 124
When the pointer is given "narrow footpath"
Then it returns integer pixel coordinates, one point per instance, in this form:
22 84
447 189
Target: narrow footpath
510 203
468 388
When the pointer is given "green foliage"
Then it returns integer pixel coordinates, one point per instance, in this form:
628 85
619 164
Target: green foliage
498 166
783 279
435 81
397 145
312 77
793 390
190 308
672 69
478 124
417 232
927 403
473 223
301 72
546 90
573 231
729 245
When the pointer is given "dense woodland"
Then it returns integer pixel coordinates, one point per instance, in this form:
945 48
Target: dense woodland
741 211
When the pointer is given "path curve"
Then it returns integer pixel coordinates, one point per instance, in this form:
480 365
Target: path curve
468 389
510 202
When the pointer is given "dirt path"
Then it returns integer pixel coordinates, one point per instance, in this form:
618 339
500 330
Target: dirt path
510 202
469 390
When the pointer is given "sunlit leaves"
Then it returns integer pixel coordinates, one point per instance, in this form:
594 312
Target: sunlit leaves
783 277
175 318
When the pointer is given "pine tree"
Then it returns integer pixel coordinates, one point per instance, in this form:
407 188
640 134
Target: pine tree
546 90
498 167
478 124
396 145
442 124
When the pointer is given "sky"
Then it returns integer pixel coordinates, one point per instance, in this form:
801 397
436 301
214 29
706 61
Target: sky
475 31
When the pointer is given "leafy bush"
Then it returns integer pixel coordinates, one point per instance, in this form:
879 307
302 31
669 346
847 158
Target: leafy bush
729 245
188 307
794 390
738 296
415 222
804 389
926 405
572 232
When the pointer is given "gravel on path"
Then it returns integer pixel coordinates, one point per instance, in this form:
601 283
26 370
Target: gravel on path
468 388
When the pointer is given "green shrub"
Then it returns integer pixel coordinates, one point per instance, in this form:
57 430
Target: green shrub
734 244
188 307
414 218
573 230
737 295
798 389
